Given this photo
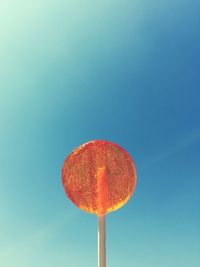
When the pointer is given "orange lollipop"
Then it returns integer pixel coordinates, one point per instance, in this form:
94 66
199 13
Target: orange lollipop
99 177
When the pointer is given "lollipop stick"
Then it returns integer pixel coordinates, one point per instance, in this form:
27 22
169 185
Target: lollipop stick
101 202
102 241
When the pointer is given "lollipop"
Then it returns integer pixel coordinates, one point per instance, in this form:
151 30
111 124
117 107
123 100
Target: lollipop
99 177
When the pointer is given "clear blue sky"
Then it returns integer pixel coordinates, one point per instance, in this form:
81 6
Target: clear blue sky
124 71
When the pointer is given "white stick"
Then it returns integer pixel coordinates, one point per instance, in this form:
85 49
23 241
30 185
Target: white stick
102 241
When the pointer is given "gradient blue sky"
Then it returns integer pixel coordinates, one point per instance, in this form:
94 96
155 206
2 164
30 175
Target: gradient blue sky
125 71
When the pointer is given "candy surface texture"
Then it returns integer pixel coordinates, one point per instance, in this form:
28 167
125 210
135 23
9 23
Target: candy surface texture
99 177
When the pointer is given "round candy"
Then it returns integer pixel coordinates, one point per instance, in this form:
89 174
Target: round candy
99 177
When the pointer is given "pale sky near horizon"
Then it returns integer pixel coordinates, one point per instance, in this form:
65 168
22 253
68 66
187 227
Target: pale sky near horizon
124 71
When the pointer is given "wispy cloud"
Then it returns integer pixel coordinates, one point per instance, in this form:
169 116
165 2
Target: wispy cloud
34 249
182 143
